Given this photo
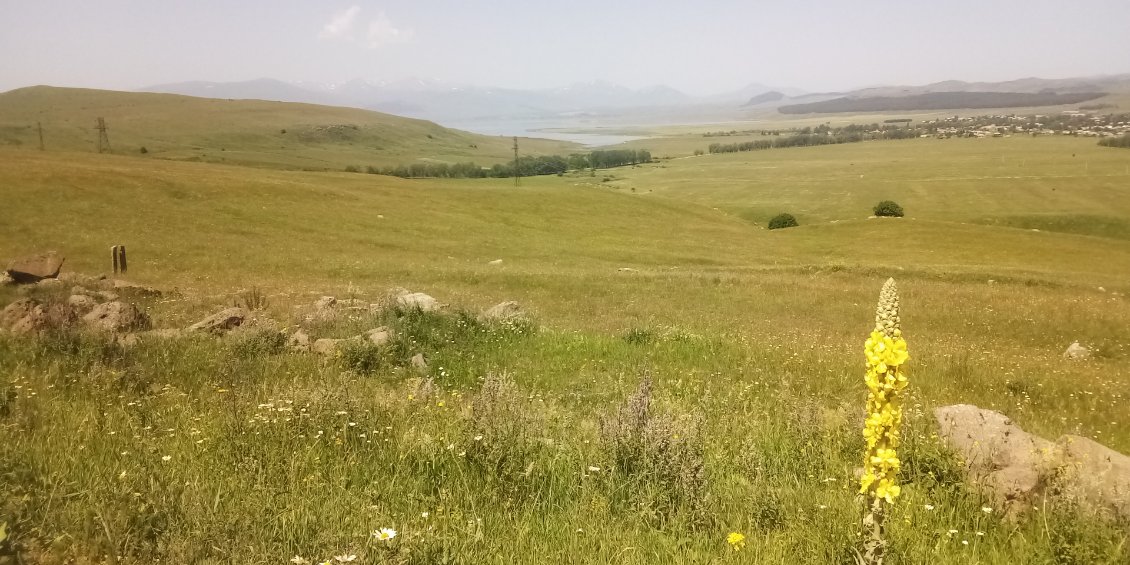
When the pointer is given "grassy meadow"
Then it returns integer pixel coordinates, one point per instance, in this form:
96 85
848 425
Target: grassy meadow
510 447
256 133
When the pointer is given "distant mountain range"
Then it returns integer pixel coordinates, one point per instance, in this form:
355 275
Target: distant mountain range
444 102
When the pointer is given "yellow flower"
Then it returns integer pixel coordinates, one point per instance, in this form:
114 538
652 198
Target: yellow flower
736 540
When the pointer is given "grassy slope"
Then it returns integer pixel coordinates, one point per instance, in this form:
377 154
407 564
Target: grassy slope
758 330
247 132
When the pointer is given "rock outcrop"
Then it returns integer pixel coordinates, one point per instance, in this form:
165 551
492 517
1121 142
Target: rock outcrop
1015 467
117 317
35 268
221 322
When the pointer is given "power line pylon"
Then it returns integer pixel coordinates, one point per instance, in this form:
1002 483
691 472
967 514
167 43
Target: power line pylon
103 138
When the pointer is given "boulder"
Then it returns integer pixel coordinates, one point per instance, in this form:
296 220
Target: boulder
117 317
1076 352
506 312
16 311
495 262
134 289
106 295
298 341
220 322
325 302
1008 463
33 321
417 301
35 268
327 346
82 303
1096 474
50 284
419 363
6 279
378 336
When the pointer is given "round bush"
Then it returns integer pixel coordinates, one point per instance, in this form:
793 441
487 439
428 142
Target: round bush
888 208
782 221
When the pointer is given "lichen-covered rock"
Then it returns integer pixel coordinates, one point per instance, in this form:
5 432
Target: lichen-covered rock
16 311
1009 463
117 317
82 303
1096 474
417 301
378 336
1077 352
298 341
220 322
506 312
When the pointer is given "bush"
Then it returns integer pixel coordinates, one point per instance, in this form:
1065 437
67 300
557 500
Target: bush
143 150
782 221
888 208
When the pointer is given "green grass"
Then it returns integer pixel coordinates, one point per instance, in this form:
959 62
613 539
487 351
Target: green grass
755 336
243 132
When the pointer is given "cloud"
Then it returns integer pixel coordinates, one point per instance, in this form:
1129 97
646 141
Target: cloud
382 32
341 25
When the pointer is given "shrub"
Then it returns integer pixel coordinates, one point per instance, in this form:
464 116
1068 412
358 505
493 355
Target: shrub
782 221
143 150
656 459
888 208
352 169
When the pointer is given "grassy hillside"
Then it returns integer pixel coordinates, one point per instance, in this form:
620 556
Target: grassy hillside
235 450
245 132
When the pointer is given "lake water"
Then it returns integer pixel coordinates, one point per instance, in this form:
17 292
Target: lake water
583 132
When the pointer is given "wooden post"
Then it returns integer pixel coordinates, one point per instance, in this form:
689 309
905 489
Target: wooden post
114 258
122 258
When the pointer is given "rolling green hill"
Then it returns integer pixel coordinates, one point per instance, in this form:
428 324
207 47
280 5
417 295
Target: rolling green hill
245 132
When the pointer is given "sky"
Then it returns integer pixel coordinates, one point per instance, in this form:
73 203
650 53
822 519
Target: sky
699 47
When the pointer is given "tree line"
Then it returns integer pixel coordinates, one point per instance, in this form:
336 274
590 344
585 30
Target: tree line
819 135
526 166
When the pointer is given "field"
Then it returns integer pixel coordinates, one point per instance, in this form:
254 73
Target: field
236 450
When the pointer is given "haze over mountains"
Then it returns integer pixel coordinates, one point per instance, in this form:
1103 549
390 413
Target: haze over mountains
436 100
446 102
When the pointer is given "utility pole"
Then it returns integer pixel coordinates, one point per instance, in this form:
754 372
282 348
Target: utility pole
40 126
517 172
103 139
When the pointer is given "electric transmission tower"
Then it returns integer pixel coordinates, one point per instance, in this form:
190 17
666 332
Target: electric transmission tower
103 138
517 172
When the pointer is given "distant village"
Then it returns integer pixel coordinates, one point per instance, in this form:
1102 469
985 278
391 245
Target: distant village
1069 122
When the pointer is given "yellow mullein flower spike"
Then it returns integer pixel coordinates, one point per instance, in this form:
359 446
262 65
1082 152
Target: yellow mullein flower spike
885 351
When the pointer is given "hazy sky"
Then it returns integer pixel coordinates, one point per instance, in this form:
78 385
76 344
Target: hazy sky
698 46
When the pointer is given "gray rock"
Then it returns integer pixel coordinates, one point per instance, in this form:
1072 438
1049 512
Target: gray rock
82 303
328 347
418 301
506 312
50 284
106 295
6 279
325 302
221 322
1007 462
419 363
35 268
16 311
134 289
1076 352
495 262
378 336
117 317
1096 474
298 341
